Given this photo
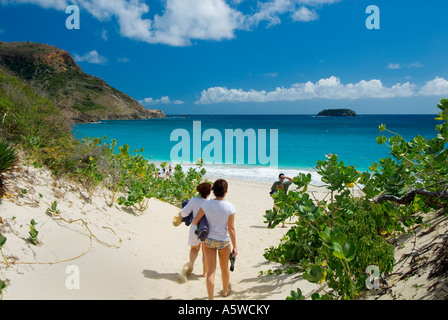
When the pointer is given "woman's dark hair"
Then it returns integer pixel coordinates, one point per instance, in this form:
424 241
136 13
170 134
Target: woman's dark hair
220 188
204 189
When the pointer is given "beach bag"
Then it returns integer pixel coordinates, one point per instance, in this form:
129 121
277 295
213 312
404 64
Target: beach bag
188 219
202 230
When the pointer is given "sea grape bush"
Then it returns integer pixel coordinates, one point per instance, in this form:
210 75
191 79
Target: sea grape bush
2 287
53 209
131 180
336 239
140 181
2 283
33 232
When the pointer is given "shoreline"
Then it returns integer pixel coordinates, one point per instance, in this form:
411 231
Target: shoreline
248 173
125 118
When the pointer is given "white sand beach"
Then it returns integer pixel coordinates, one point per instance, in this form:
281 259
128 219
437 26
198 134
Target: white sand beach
151 251
140 256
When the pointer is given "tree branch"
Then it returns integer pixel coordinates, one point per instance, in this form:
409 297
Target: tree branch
409 197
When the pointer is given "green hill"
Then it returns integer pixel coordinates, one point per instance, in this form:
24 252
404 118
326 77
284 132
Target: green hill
55 75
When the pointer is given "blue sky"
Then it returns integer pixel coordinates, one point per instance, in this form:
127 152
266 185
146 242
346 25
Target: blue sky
248 56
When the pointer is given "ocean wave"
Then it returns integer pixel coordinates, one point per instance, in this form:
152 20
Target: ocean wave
253 173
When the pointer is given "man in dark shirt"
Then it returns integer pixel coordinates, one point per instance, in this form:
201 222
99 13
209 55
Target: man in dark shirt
283 183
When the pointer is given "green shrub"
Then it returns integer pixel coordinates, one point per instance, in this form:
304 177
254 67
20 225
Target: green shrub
335 240
8 157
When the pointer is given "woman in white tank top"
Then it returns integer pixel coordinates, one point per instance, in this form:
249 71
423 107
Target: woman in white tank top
220 215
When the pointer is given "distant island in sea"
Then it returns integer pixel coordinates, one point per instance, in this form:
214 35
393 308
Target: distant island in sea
337 113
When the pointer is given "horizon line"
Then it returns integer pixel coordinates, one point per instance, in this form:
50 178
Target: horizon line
300 114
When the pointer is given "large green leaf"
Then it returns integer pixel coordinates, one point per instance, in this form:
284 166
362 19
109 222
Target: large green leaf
349 250
2 241
338 251
315 275
345 252
296 295
326 234
381 139
337 236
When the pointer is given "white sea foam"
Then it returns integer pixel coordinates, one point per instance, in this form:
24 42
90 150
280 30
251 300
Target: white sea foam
265 174
253 173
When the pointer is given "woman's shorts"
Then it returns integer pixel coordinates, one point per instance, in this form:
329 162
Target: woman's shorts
216 244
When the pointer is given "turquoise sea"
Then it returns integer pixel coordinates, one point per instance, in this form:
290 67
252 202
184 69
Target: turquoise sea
302 139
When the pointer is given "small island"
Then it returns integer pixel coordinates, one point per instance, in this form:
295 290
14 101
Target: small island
337 113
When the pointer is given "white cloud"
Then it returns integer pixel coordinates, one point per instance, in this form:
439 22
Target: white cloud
104 35
124 60
271 74
316 2
183 21
269 11
164 100
414 65
330 88
304 14
436 87
393 66
47 4
129 15
186 20
180 22
90 57
300 10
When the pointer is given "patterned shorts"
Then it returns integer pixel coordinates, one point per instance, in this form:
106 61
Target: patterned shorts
216 244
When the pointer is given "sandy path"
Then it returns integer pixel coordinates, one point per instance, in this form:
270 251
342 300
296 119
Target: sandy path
150 257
